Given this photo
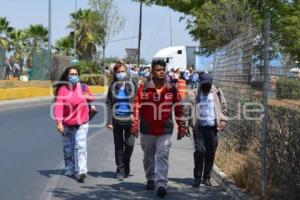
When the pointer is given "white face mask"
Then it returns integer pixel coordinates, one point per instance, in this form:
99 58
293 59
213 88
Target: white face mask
121 76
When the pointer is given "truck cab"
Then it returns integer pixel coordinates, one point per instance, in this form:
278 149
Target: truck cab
177 57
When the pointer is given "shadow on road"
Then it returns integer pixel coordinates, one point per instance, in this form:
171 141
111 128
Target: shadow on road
106 174
49 173
185 181
129 190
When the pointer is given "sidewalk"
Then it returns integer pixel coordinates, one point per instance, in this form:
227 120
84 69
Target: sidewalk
100 183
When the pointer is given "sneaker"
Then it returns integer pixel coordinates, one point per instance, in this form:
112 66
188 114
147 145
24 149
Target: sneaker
207 182
161 191
127 172
69 173
150 185
197 182
119 176
126 175
81 177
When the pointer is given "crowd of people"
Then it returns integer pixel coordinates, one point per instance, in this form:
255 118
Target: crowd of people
190 75
144 109
17 69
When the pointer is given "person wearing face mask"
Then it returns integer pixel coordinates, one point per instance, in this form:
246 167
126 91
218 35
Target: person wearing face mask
120 96
71 112
210 116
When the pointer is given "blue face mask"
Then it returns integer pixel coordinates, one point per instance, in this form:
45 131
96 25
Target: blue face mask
121 76
73 79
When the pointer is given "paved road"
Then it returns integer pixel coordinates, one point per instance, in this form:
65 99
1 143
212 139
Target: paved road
31 164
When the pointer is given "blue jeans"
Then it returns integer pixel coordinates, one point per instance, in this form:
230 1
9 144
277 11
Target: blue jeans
30 74
74 146
194 84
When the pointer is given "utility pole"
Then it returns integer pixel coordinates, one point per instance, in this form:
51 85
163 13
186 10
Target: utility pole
171 37
49 37
140 33
267 26
74 56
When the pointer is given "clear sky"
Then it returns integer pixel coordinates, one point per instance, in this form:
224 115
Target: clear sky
155 28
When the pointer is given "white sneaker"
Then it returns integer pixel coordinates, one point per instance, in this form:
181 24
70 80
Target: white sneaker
80 177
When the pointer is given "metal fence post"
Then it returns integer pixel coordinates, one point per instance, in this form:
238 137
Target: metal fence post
265 101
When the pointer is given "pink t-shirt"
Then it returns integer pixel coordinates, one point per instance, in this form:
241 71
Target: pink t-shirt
71 107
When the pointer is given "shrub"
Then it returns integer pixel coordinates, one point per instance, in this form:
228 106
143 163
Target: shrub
283 153
288 88
89 67
92 79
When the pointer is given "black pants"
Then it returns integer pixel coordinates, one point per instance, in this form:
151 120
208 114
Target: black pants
206 143
124 143
6 76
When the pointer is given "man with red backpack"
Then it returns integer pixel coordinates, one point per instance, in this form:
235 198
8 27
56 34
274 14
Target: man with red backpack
153 119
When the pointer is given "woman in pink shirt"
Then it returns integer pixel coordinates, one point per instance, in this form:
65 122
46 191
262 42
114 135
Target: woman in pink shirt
71 113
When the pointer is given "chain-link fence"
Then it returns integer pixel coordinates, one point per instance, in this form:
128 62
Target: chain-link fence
2 59
240 74
38 68
41 65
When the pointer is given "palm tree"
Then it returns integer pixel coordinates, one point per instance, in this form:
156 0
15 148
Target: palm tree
5 31
19 44
88 33
65 45
37 35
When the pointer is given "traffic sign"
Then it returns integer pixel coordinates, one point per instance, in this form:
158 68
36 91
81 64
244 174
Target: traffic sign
132 54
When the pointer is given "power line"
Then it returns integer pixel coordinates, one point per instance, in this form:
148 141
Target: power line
130 38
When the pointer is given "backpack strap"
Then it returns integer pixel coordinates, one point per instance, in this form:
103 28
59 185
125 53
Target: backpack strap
146 85
135 84
83 87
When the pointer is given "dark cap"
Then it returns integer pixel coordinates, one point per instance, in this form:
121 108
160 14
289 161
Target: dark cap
206 78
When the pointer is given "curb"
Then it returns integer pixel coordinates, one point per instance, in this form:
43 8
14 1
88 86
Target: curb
25 100
32 92
235 192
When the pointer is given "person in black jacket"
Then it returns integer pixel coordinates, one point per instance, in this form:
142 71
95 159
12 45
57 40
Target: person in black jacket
7 70
120 97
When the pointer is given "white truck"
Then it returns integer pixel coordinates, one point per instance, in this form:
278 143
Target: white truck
178 57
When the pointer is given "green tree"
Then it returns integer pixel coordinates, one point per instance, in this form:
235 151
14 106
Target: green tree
286 27
37 35
216 24
19 44
64 45
111 59
112 22
88 33
5 30
209 20
184 6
